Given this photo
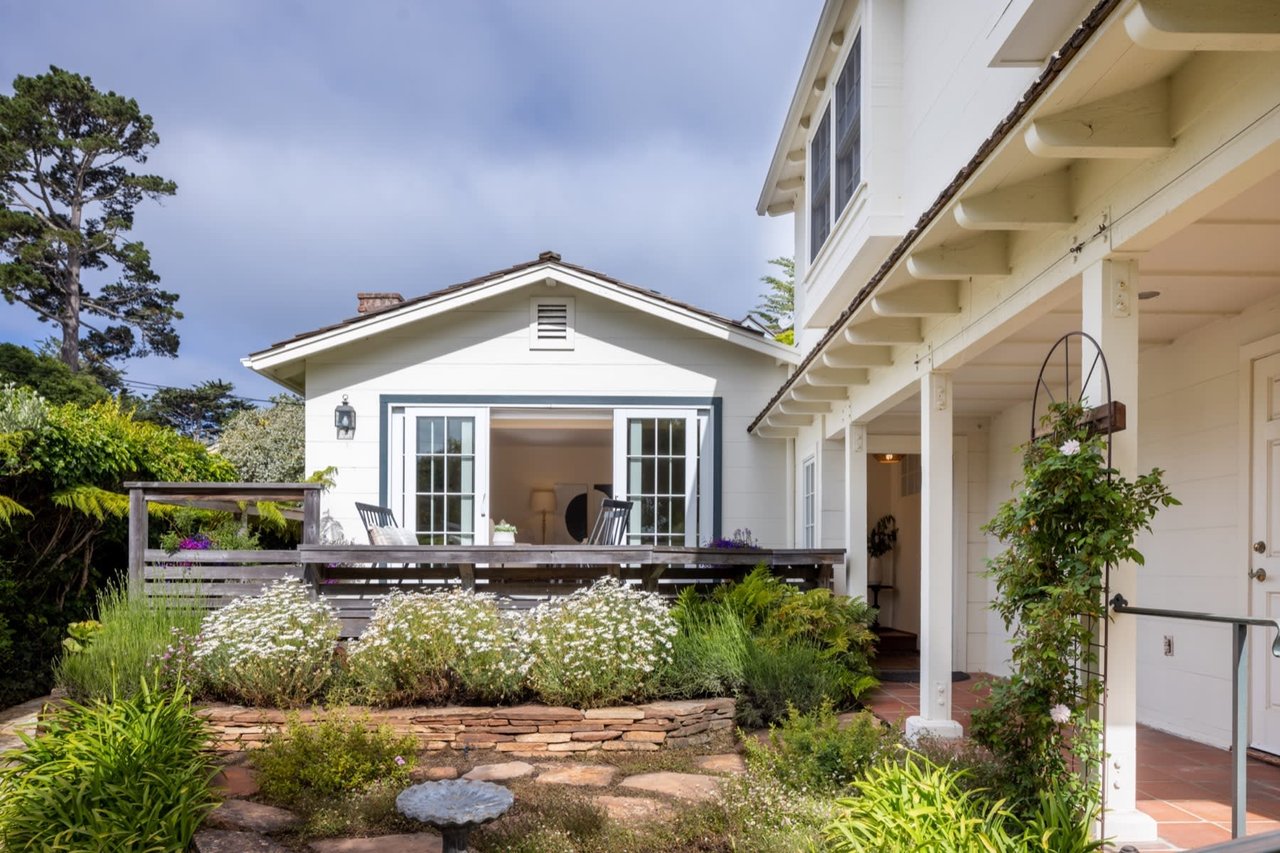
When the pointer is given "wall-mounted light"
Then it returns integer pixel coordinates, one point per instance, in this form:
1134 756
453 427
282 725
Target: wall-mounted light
888 458
344 418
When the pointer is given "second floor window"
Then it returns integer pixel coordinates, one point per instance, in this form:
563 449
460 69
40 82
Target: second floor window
837 149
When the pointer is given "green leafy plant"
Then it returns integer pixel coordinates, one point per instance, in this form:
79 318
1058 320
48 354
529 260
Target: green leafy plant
431 647
598 646
1072 518
116 777
333 755
780 676
708 654
275 649
916 805
882 536
133 634
817 752
80 635
504 526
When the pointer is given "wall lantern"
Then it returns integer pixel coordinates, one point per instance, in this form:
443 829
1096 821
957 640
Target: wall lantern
344 418
887 458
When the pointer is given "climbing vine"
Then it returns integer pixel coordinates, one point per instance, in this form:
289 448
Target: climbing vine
1072 517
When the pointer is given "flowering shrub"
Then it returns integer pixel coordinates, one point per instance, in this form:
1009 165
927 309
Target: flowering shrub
426 647
741 538
599 645
274 649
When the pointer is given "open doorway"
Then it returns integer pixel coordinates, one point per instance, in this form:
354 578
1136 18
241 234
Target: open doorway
893 503
550 471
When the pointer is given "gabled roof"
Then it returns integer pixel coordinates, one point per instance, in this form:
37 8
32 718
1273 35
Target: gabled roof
274 361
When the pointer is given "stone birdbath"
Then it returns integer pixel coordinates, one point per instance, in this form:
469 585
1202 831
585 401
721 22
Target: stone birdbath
455 807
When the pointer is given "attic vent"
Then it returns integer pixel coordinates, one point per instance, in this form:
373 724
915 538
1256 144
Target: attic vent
551 323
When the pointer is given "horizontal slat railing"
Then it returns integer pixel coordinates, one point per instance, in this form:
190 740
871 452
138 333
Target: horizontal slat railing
353 577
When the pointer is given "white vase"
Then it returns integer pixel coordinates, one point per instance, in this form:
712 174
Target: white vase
875 570
504 537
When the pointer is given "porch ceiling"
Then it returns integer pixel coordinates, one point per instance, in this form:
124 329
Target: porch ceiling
1212 270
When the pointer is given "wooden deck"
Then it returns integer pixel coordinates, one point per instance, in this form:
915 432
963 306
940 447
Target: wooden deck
354 577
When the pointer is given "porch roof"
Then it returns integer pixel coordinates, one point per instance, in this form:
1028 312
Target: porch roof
996 257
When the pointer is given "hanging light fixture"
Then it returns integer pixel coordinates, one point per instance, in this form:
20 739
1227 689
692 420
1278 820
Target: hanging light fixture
344 418
888 458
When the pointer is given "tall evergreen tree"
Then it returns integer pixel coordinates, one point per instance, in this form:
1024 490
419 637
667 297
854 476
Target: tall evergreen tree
67 200
776 308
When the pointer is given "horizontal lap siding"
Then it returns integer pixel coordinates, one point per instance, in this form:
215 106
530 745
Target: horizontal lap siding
484 350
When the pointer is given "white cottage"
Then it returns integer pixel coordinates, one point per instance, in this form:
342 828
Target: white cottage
529 394
968 182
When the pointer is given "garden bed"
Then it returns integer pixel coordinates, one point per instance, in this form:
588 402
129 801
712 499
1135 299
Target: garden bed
521 730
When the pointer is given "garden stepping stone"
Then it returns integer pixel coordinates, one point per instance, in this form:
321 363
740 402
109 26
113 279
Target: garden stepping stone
433 774
256 817
633 809
418 842
230 841
685 786
499 772
729 762
578 774
236 782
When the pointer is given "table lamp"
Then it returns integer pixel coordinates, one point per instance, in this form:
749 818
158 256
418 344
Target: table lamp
543 501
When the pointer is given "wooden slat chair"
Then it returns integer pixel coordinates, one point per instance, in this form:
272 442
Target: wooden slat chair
611 523
375 516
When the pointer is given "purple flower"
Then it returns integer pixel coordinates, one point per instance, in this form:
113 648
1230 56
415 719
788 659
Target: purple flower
198 542
400 761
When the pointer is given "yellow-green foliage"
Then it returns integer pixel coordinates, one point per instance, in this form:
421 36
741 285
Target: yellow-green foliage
63 516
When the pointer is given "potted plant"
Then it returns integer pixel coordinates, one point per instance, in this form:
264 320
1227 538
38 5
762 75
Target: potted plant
504 533
881 540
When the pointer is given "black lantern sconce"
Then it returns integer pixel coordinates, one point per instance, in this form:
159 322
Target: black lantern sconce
344 418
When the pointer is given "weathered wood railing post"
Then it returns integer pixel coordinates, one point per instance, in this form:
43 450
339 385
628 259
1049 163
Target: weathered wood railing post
311 532
138 535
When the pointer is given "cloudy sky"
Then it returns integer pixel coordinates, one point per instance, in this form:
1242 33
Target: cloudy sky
326 147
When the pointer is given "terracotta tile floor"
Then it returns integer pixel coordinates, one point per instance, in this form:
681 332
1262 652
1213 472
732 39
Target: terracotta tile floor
1184 785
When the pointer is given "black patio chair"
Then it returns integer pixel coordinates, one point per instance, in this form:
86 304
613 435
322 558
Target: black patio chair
375 516
611 523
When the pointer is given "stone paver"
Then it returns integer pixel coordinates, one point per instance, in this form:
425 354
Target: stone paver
434 774
229 841
236 782
420 842
255 817
578 774
685 786
500 772
633 809
729 762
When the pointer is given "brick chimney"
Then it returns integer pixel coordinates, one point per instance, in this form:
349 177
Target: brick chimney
367 303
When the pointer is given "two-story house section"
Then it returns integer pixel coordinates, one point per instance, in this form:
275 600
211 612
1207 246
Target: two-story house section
970 181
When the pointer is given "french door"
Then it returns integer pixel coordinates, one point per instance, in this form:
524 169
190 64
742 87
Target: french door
439 473
661 463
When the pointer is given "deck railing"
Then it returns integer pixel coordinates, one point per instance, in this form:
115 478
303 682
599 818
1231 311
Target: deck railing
353 577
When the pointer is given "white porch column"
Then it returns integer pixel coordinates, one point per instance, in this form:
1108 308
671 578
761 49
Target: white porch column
854 580
1110 314
936 559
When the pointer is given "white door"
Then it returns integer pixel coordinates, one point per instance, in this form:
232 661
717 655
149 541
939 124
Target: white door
660 465
439 483
1264 555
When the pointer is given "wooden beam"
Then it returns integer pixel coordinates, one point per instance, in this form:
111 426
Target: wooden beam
1203 25
837 376
780 208
792 406
785 421
893 330
985 255
766 431
789 184
923 299
1130 125
858 355
1043 202
795 155
818 393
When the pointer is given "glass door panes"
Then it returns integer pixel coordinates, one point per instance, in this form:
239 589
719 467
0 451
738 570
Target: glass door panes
443 486
445 491
659 460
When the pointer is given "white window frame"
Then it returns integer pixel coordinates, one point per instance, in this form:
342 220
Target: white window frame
809 502
699 476
403 474
828 123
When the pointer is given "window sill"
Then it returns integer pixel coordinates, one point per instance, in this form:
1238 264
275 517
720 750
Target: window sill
856 203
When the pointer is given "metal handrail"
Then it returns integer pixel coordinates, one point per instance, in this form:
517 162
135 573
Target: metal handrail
1239 681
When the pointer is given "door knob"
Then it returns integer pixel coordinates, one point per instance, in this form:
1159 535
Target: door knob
1258 574
1260 547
